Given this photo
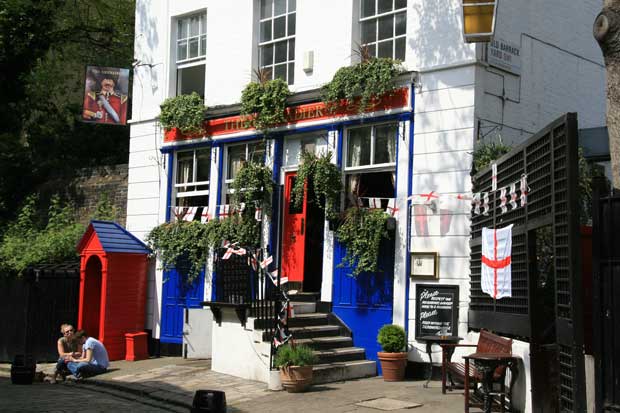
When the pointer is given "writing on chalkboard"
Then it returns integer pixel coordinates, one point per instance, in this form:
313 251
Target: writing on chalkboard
436 310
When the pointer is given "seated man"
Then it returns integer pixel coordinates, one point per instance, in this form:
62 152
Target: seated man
66 348
94 359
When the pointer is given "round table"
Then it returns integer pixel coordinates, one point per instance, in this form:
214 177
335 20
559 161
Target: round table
487 363
430 340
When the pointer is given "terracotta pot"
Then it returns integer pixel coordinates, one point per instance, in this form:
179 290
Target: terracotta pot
393 365
296 379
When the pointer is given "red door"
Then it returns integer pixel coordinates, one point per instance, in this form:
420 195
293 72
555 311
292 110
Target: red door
294 237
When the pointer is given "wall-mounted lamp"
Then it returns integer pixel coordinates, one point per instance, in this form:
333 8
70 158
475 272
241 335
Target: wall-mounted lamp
479 20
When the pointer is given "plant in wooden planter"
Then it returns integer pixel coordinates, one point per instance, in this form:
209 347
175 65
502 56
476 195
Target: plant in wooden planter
393 358
265 103
361 232
295 363
325 180
184 114
370 79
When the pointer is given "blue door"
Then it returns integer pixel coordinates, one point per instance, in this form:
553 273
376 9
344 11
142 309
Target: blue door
364 302
178 294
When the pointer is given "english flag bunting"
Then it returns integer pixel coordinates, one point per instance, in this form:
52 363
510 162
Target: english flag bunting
496 262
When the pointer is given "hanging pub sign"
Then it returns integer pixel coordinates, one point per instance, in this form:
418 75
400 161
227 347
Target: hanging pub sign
436 310
105 95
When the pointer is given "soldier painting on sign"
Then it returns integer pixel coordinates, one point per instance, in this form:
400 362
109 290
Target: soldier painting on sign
105 98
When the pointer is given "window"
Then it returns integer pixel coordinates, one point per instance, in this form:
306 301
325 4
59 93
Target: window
370 164
193 169
276 46
191 50
236 156
383 25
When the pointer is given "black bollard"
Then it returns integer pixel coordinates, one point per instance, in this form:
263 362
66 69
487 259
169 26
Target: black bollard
209 401
22 369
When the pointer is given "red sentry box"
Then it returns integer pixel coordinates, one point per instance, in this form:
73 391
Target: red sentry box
137 348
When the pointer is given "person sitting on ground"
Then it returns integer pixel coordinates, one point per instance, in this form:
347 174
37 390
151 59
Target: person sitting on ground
66 348
94 359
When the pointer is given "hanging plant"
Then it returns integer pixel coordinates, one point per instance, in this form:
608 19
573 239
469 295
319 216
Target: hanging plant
253 186
239 228
265 103
184 112
182 245
361 232
323 177
370 79
486 153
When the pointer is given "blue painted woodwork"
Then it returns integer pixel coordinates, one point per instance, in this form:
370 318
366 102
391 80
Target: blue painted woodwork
177 295
365 302
113 238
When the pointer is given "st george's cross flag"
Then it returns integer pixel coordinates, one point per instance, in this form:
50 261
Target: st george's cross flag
496 262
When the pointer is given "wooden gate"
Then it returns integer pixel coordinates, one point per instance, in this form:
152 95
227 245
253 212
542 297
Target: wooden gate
546 304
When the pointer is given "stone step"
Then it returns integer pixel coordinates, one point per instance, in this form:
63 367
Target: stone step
309 319
301 307
343 354
315 331
326 343
304 297
332 372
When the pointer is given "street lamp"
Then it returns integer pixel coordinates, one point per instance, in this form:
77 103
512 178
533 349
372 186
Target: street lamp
479 20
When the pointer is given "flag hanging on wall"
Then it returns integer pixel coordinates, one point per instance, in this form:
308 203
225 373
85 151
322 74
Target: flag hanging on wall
496 262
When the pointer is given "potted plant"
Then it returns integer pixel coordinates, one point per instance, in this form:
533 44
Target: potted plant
393 358
295 363
265 102
183 115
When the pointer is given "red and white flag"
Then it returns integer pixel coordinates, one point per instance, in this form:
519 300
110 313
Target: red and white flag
190 213
224 210
258 214
205 217
524 190
391 207
477 202
503 200
264 263
513 196
485 203
430 223
496 277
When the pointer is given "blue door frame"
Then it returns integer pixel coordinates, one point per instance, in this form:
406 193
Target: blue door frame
364 303
177 295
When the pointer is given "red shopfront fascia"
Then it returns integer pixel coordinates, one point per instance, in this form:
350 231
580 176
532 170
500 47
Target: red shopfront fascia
310 112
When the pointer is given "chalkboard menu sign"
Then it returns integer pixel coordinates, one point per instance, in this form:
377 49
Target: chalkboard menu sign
437 310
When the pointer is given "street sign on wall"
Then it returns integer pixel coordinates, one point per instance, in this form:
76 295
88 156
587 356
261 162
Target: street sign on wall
504 55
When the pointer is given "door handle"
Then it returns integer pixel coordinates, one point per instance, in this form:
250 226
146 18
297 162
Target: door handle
303 222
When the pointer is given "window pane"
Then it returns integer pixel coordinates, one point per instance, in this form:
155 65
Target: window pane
368 8
265 31
193 47
236 158
203 164
372 50
358 147
279 27
203 24
266 57
194 26
383 6
279 71
279 7
386 27
385 144
400 4
369 31
203 45
191 79
385 49
265 8
182 50
257 153
399 51
291 24
369 185
292 5
281 52
291 49
401 24
185 167
181 29
291 73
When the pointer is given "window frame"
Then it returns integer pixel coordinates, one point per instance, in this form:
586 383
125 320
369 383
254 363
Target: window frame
176 186
181 62
378 16
272 42
373 167
227 181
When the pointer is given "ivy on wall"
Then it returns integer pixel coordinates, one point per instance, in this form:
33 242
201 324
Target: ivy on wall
323 177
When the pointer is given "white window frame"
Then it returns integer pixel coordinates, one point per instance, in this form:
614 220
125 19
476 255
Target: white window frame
377 17
372 167
200 60
273 41
178 193
228 180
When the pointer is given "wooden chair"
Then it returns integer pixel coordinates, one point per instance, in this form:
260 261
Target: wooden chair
468 374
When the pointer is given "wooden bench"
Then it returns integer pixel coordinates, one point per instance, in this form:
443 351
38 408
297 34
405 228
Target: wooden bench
467 374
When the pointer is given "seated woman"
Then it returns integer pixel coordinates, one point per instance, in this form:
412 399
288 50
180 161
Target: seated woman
94 359
67 348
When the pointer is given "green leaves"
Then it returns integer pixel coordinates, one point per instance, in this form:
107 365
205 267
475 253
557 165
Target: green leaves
392 338
185 112
294 355
323 177
253 186
265 103
486 153
366 80
361 233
